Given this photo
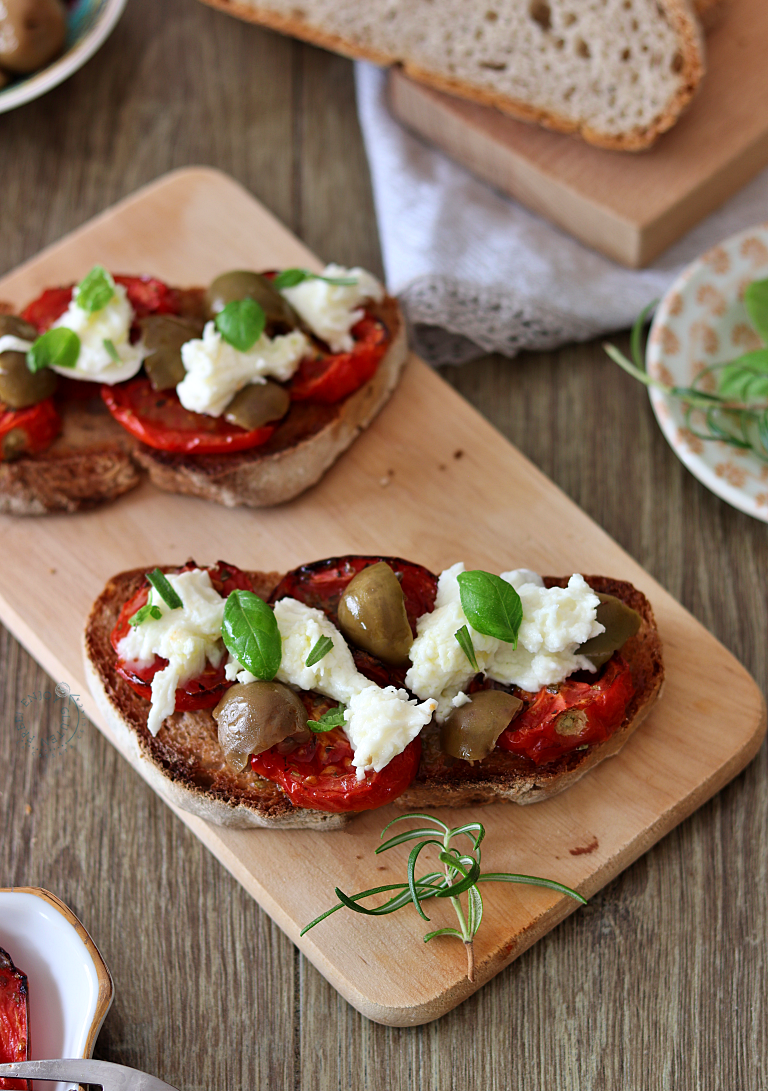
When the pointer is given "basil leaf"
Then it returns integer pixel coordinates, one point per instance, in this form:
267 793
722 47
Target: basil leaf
745 379
251 635
241 323
465 641
160 583
109 345
319 651
289 278
58 347
491 604
334 717
95 290
146 611
756 302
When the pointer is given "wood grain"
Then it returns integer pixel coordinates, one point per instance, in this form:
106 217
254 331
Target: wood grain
660 982
629 206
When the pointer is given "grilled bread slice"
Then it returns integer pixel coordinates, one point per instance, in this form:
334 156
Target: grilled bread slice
96 460
186 765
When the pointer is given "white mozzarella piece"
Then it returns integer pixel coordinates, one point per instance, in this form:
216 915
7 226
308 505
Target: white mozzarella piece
380 723
216 370
111 323
331 310
555 622
188 638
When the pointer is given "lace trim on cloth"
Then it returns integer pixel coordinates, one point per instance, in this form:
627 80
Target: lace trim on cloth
453 321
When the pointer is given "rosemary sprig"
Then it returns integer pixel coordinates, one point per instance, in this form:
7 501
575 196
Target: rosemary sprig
460 875
737 414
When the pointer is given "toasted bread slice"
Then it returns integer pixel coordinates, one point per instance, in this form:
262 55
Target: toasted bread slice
96 460
185 764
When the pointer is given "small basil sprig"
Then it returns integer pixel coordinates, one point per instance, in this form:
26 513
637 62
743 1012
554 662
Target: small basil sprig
756 302
319 651
148 610
160 583
95 290
58 347
112 352
465 642
492 605
334 717
251 635
461 874
289 278
241 323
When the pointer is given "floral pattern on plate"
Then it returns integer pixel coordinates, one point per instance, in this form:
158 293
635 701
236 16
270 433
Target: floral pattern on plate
700 322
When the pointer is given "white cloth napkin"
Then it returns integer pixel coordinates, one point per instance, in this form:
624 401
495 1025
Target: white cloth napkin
476 272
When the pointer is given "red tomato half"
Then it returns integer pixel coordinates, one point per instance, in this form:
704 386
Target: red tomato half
595 711
329 377
159 419
28 431
206 689
320 774
147 295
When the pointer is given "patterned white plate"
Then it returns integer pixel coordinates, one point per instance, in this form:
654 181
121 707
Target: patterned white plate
702 321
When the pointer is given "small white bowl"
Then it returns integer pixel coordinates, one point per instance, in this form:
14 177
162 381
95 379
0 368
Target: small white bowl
702 321
90 23
70 987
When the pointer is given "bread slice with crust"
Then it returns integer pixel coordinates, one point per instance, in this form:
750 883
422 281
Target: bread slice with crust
615 72
185 764
95 460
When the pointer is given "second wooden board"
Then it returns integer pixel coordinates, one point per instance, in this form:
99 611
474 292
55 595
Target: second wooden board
629 206
430 481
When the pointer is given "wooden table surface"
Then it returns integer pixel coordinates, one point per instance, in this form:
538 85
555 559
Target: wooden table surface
660 982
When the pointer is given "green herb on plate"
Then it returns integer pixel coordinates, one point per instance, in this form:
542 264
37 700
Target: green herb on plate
289 278
95 290
319 651
250 633
58 347
241 323
334 717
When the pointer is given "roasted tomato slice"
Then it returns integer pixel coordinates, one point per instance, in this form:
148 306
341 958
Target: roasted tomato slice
147 295
575 715
320 774
329 377
159 419
201 692
14 1018
28 431
322 584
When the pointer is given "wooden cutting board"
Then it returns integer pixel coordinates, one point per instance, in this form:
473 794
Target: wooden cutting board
629 206
431 481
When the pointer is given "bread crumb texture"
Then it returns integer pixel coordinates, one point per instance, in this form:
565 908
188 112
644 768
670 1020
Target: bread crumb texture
611 67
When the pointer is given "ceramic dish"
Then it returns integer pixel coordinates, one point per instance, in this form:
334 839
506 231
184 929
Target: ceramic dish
702 321
90 23
70 987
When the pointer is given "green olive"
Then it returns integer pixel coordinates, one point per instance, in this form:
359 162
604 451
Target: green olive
240 284
471 731
258 404
372 615
164 334
254 716
32 33
19 387
620 621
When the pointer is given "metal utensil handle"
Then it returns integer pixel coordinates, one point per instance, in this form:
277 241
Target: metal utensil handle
112 1077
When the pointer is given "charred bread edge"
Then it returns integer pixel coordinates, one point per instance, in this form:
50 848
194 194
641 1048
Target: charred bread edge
259 480
679 12
66 481
143 756
548 781
529 788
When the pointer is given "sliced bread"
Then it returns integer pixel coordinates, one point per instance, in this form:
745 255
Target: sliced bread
616 72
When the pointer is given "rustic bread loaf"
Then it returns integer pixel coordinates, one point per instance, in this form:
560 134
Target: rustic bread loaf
185 763
617 72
